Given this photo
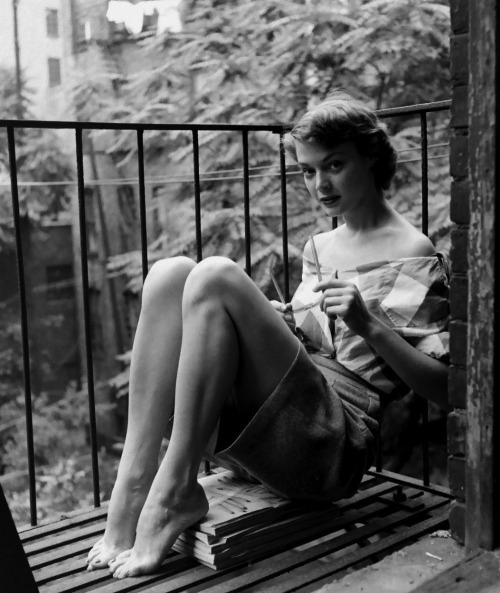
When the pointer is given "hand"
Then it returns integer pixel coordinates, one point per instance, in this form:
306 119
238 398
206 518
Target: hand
342 299
285 310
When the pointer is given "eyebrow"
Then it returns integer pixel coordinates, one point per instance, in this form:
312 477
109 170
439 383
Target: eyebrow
327 157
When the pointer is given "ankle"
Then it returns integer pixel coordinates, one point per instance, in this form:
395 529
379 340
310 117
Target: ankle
177 494
135 482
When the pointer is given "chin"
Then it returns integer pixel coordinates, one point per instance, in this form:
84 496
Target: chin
331 211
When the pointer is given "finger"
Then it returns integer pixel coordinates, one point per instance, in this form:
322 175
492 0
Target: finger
332 301
329 283
344 292
277 305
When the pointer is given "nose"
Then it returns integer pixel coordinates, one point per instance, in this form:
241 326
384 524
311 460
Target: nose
323 181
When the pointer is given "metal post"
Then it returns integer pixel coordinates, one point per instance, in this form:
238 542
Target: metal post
246 200
142 203
425 229
197 194
24 324
86 314
284 217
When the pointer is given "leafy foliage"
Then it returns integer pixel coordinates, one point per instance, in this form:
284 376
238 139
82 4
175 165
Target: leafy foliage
39 161
63 483
261 61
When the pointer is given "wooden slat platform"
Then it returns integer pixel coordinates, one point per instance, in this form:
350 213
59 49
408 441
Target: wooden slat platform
371 524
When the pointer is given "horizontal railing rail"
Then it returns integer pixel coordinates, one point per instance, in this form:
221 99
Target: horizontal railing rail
12 126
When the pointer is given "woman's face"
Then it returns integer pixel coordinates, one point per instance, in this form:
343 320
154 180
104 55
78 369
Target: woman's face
339 178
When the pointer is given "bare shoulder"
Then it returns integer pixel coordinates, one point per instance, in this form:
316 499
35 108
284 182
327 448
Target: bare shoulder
412 243
321 240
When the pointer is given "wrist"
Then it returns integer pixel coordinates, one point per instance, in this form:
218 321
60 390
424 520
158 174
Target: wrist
371 329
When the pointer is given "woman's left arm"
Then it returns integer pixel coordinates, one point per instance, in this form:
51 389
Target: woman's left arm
425 375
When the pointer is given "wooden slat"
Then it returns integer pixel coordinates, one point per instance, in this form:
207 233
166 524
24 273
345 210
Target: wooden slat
63 538
28 532
319 572
68 544
409 481
58 555
286 562
347 518
62 553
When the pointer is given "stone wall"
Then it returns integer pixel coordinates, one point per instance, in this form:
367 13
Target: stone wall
460 190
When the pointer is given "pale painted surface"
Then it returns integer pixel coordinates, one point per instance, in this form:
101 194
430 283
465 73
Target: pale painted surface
35 50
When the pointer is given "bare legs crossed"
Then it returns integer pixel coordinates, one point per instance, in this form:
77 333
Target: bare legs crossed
204 330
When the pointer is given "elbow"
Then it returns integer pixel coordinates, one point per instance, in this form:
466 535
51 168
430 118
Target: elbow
435 387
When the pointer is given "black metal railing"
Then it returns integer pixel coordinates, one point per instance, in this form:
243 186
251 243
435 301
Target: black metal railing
11 126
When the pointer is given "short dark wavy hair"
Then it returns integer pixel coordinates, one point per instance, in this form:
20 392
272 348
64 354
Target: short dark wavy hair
341 118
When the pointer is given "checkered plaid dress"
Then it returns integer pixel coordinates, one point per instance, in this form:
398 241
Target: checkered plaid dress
410 295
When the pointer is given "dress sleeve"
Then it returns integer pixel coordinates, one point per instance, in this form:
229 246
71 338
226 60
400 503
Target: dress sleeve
436 345
429 330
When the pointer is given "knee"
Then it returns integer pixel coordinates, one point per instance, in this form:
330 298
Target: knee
214 278
166 280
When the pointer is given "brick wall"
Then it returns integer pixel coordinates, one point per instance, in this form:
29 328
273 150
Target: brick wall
459 170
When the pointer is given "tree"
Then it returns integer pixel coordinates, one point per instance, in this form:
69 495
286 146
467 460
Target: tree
38 159
263 61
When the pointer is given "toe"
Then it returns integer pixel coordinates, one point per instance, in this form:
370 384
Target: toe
119 561
121 572
96 563
94 551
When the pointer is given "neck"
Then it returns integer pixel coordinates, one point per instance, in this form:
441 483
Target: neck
370 218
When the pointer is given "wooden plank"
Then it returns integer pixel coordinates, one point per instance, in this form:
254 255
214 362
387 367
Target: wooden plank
101 580
409 481
62 569
296 580
483 415
64 522
72 547
63 538
480 573
287 561
60 554
202 575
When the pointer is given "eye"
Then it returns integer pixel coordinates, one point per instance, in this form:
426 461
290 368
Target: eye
336 164
308 172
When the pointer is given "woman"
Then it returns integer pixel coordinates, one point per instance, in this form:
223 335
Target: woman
244 387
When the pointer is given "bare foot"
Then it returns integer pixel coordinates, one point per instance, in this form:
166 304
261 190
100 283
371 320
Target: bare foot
158 528
127 500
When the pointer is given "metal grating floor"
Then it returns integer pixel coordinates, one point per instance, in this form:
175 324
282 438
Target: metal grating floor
383 516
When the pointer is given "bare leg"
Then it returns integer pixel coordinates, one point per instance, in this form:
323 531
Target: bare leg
232 336
153 372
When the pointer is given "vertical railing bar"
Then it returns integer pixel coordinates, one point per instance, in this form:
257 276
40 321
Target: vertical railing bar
425 230
86 314
246 202
425 172
142 203
197 194
24 324
284 217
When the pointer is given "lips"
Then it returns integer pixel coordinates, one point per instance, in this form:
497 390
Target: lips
329 200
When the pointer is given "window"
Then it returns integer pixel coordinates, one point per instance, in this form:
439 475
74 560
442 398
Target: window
54 71
52 23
